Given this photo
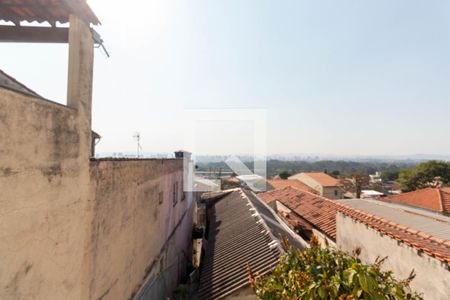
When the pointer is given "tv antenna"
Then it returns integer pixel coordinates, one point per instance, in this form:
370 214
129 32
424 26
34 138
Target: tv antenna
137 137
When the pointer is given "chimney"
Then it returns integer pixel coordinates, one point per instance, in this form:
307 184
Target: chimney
183 154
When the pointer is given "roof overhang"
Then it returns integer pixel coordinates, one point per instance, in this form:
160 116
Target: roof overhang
50 11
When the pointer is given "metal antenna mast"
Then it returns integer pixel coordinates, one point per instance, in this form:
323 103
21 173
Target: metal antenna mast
137 137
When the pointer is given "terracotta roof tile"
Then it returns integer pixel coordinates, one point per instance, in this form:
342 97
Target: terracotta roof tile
320 177
429 198
282 183
321 213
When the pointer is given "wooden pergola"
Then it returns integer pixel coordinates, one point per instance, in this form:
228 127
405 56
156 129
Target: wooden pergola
79 35
50 11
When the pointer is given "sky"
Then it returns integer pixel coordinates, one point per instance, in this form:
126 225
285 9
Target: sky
334 77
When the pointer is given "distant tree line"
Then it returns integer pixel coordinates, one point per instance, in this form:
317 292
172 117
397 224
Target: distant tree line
429 174
334 168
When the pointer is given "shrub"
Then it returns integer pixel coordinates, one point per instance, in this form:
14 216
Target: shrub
327 273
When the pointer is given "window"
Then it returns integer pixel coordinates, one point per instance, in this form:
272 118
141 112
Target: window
160 197
335 193
175 193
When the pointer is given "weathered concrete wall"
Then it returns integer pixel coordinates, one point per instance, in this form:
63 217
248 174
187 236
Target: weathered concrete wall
133 215
332 193
433 277
44 183
75 229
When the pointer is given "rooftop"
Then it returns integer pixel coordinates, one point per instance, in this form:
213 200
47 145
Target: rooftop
430 223
318 211
282 183
421 230
50 11
238 236
8 82
320 177
436 199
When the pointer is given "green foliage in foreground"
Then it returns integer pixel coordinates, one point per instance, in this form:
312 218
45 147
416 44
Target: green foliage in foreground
328 273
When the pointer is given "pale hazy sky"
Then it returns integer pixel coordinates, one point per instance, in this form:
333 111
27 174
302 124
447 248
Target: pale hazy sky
344 77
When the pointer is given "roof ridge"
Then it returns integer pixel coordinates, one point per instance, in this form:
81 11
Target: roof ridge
266 227
440 199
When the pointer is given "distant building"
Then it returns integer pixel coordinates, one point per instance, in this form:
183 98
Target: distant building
323 183
371 194
375 178
434 199
276 184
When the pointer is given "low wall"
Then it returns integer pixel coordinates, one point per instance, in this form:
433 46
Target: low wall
138 230
433 277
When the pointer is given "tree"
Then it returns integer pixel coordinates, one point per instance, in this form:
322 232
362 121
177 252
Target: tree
284 174
335 174
360 181
429 174
328 273
390 175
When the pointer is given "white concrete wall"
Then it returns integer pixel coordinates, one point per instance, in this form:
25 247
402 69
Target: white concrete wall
324 241
433 277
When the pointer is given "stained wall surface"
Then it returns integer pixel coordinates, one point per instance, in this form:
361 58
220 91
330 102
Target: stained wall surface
72 228
141 224
433 277
44 184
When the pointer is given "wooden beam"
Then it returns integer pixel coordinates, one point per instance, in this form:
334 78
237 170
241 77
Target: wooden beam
19 34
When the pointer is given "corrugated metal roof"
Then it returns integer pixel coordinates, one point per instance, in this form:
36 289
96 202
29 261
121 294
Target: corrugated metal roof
46 11
432 223
237 236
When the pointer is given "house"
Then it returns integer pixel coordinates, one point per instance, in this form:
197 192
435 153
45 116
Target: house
434 199
276 184
411 238
75 227
305 212
242 232
324 184
375 178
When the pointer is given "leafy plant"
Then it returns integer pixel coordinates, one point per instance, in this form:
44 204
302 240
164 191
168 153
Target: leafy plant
327 273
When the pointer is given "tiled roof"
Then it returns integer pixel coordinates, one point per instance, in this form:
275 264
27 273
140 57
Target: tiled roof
277 184
9 82
429 198
237 236
445 195
321 213
317 210
321 178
